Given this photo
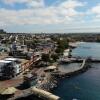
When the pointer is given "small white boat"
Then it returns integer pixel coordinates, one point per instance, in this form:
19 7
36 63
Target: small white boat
74 99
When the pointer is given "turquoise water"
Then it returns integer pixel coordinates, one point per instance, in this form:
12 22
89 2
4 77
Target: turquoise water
87 49
85 86
70 67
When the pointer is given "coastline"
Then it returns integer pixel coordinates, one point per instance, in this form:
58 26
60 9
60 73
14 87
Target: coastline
59 75
54 80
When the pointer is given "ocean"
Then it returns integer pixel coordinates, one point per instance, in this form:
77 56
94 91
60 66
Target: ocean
85 86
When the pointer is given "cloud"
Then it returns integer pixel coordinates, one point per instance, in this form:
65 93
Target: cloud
36 3
95 12
38 13
15 1
72 4
29 3
96 9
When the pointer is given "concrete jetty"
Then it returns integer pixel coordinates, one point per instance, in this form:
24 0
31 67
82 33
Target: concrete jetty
44 94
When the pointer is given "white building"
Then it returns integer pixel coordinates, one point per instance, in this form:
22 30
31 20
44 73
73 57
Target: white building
66 53
16 64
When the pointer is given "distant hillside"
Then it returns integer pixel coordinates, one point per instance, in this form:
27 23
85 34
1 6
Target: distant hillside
2 31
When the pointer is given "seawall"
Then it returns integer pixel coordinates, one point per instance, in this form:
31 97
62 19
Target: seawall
84 66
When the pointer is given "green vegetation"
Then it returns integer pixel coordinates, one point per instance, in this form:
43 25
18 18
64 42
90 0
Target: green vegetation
46 57
62 45
2 31
50 58
54 57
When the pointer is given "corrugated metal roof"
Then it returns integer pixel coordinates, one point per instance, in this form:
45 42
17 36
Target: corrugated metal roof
9 90
2 89
12 59
4 61
51 67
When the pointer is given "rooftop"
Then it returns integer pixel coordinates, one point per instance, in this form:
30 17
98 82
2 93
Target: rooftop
4 61
9 90
51 67
11 59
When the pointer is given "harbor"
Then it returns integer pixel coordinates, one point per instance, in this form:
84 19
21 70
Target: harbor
46 81
73 71
49 49
37 72
41 90
83 86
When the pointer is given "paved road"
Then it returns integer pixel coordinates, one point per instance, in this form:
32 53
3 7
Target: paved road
10 83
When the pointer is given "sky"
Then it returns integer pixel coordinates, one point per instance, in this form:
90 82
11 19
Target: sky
51 16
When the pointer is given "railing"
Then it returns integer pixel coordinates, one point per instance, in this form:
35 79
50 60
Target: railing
28 64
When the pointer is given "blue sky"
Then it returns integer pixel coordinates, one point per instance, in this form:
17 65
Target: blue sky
50 15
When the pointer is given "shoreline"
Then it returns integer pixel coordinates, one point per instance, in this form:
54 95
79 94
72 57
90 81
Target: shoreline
58 76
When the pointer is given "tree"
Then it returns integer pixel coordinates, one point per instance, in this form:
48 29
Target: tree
54 57
62 45
59 50
2 31
46 57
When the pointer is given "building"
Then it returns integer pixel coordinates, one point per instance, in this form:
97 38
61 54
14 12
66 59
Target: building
10 67
7 69
66 52
16 64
